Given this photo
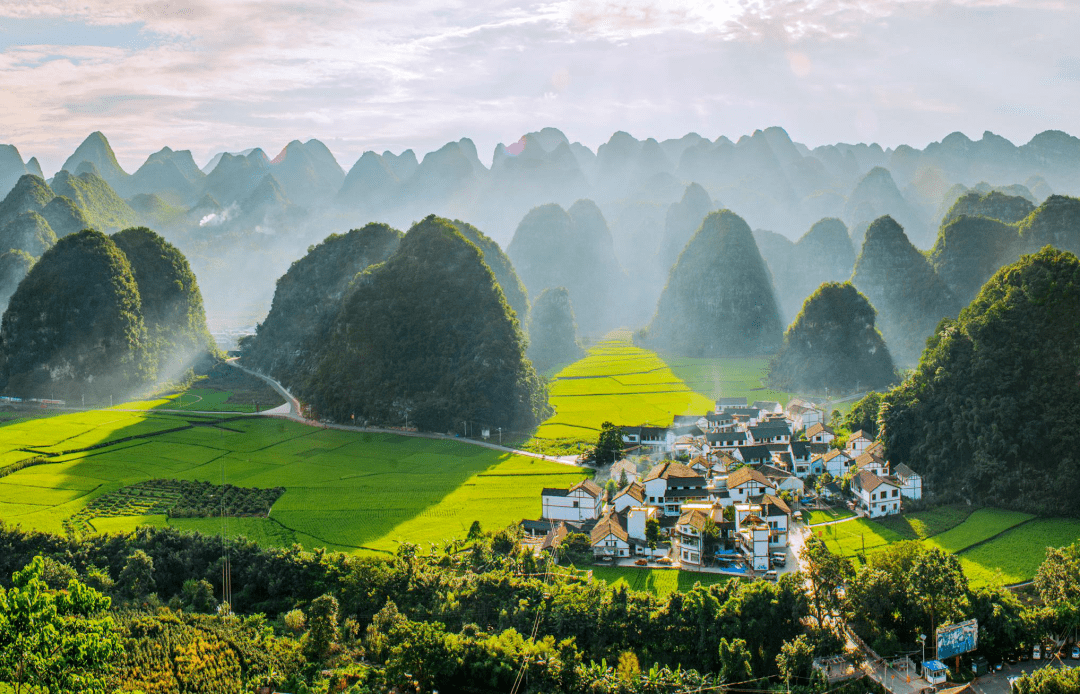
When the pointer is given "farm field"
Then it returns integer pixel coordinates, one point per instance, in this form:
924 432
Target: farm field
981 525
730 377
617 382
352 491
1015 556
659 581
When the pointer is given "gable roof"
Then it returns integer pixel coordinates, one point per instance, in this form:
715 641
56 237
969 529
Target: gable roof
554 537
771 428
771 500
818 428
749 453
722 403
865 459
669 469
718 417
634 490
903 471
611 524
747 474
771 472
694 517
834 453
860 434
800 449
868 481
589 487
551 491
734 436
770 405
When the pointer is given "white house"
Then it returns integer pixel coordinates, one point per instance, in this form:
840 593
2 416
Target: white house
632 495
859 441
837 463
768 407
803 414
669 485
877 496
729 403
871 463
753 535
687 539
622 466
770 432
819 433
718 421
773 512
636 517
746 482
609 537
782 480
726 440
581 502
910 482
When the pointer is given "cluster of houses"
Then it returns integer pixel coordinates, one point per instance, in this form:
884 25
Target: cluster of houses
730 504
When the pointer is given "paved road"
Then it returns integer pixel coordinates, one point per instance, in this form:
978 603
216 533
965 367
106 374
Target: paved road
294 413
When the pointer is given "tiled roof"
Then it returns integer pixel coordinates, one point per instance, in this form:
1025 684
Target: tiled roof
669 469
776 501
695 518
818 428
611 524
589 487
746 474
903 471
868 481
635 491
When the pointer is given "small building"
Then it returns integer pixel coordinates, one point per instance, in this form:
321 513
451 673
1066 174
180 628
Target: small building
624 466
670 484
803 414
877 496
858 442
819 433
609 537
753 535
581 502
770 432
768 407
687 540
752 455
871 463
910 482
837 463
632 495
718 421
727 440
746 482
935 672
723 404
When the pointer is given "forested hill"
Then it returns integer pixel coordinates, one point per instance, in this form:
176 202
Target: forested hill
992 415
833 345
719 297
308 297
901 284
427 335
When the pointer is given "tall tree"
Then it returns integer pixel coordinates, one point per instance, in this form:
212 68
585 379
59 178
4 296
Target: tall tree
609 445
826 573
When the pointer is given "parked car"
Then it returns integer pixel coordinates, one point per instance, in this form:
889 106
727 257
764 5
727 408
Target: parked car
1036 652
771 576
642 562
1075 652
778 558
665 561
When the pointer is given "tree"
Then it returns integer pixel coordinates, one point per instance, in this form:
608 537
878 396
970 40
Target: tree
137 576
55 641
611 488
474 530
796 659
609 446
322 633
623 479
734 661
199 595
826 572
864 414
652 532
938 584
628 667
295 620
576 548
710 535
1056 581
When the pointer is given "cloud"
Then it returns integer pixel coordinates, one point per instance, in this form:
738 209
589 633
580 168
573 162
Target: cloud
210 76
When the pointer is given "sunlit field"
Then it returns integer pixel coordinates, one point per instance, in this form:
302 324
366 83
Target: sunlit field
345 490
660 582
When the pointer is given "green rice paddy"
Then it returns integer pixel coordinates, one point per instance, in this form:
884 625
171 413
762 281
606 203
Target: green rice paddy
346 490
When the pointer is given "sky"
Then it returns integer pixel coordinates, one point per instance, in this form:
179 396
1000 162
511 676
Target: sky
213 75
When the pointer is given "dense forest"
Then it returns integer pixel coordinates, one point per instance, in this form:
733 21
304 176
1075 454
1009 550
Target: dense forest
719 298
474 615
102 317
833 346
992 413
427 335
553 330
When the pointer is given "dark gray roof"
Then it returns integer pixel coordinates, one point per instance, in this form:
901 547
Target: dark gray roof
755 453
734 436
548 491
730 402
718 417
684 493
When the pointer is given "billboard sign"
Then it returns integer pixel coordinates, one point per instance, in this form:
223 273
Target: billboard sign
957 638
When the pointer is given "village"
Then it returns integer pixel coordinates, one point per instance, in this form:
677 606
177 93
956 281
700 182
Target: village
720 492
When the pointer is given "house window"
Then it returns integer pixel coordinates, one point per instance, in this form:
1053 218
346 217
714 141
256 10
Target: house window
575 504
896 492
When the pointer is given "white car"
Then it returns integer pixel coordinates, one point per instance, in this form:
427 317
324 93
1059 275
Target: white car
1036 652
1076 653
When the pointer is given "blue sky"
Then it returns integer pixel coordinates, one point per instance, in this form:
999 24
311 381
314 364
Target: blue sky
207 75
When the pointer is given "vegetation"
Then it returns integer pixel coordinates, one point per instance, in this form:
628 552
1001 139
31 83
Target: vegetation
29 232
969 250
1015 556
681 220
308 298
74 326
459 357
1008 367
659 582
1053 223
503 269
14 266
719 297
994 204
833 346
171 303
553 330
823 254
98 202
900 283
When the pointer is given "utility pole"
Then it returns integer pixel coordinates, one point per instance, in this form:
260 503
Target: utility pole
500 436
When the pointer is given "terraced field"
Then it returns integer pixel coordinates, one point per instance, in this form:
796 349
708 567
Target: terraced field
615 382
345 490
1015 556
730 377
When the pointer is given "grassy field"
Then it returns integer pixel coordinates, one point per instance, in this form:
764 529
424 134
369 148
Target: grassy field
852 537
345 490
615 382
979 527
923 524
659 581
1015 556
828 515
